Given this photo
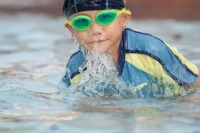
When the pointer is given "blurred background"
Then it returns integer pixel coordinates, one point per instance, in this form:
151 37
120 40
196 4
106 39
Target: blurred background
143 9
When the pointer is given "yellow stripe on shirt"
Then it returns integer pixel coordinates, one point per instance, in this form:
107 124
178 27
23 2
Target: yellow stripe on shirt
154 68
76 78
189 65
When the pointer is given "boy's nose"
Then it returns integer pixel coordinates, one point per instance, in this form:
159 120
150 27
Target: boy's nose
95 28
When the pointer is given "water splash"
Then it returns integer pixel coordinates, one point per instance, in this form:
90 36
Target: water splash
100 79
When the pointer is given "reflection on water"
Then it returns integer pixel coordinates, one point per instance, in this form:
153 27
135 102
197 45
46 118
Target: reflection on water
33 53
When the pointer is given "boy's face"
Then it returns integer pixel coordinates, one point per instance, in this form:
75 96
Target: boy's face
107 37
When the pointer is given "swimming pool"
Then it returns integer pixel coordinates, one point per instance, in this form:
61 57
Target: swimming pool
33 54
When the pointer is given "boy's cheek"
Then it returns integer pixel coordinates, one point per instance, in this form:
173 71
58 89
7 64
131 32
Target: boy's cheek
79 37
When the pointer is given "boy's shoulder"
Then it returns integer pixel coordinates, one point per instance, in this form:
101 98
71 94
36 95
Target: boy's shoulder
139 34
138 40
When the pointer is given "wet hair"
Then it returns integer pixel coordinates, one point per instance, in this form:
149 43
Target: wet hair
71 7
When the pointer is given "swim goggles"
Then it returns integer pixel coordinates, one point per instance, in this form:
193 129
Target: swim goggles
104 17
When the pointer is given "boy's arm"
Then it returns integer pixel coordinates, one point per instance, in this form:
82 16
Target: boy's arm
194 98
195 84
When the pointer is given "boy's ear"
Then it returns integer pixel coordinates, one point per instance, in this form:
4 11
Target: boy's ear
69 27
126 19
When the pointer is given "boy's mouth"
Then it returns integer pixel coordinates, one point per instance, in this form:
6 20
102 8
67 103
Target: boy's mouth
97 41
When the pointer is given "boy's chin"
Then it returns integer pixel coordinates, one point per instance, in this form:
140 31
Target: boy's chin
100 50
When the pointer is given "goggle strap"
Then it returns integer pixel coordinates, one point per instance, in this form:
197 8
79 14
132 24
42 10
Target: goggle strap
126 11
67 22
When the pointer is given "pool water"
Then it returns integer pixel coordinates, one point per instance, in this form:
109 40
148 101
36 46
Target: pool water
33 54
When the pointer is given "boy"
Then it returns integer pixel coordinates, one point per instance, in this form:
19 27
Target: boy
141 59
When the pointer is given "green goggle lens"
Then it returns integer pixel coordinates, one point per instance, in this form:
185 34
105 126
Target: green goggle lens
106 17
81 22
